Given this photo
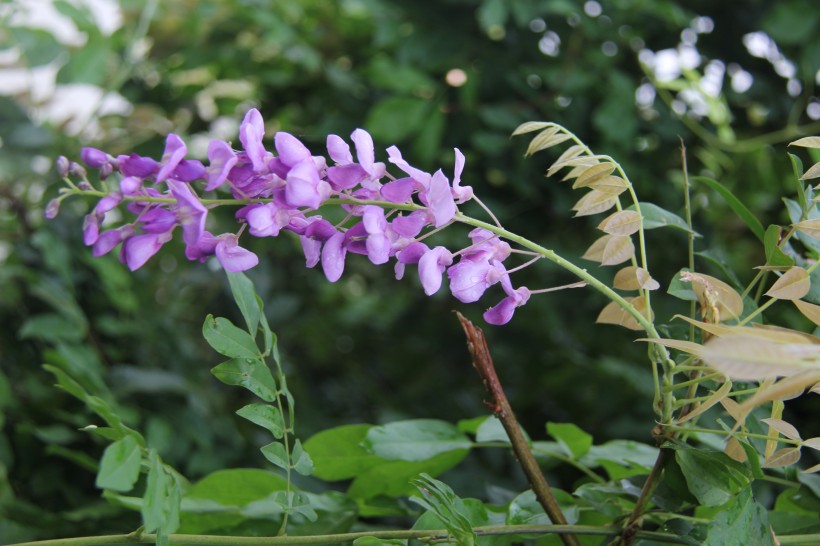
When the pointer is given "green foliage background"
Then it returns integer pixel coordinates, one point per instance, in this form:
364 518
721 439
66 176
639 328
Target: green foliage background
368 349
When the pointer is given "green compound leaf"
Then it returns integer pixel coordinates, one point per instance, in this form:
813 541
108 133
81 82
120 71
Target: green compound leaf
439 498
656 217
736 205
244 295
250 373
415 440
120 465
712 477
228 340
161 501
574 441
337 453
266 416
392 478
743 521
302 463
276 453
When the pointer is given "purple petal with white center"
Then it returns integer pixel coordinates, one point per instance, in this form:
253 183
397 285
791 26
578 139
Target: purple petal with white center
431 266
221 160
333 257
175 150
251 133
440 199
291 150
304 187
394 156
108 202
233 257
91 229
344 177
398 191
339 150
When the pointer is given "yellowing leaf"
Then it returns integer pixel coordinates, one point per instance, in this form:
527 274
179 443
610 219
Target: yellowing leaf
593 173
545 139
809 227
813 443
575 172
529 127
782 457
582 161
715 296
732 408
792 285
716 397
811 311
570 153
595 252
685 346
813 172
613 185
784 387
807 142
594 202
775 334
634 278
815 389
618 249
615 314
747 357
784 428
734 450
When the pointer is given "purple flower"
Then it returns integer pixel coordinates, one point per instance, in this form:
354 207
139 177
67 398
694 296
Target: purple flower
394 156
91 229
503 312
399 191
190 212
333 257
304 186
138 166
366 155
233 257
439 199
130 185
188 170
251 133
266 220
221 160
313 237
431 266
465 193
410 225
291 150
108 202
94 158
175 151
411 254
108 240
137 250
378 242
487 245
469 278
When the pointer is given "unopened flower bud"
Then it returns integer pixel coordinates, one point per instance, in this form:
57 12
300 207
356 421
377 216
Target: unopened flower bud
63 164
84 185
52 209
77 170
106 170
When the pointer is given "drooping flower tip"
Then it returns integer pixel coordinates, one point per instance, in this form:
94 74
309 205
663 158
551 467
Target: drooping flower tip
63 165
52 209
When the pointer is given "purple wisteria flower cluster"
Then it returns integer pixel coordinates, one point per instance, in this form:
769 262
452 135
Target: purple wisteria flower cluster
284 191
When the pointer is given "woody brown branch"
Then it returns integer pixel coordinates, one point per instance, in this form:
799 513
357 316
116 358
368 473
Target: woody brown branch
500 406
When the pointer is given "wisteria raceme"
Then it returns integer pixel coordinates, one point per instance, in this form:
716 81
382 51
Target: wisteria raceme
284 191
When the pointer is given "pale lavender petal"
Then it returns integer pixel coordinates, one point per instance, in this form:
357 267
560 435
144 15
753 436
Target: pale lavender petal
440 199
412 253
304 187
221 160
431 267
394 156
130 185
108 202
333 257
190 212
468 279
398 269
175 151
312 249
338 150
373 219
410 225
263 220
137 250
344 177
251 133
398 191
291 150
460 193
233 257
91 229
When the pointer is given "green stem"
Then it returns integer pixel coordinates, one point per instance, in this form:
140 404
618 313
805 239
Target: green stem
426 535
733 433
